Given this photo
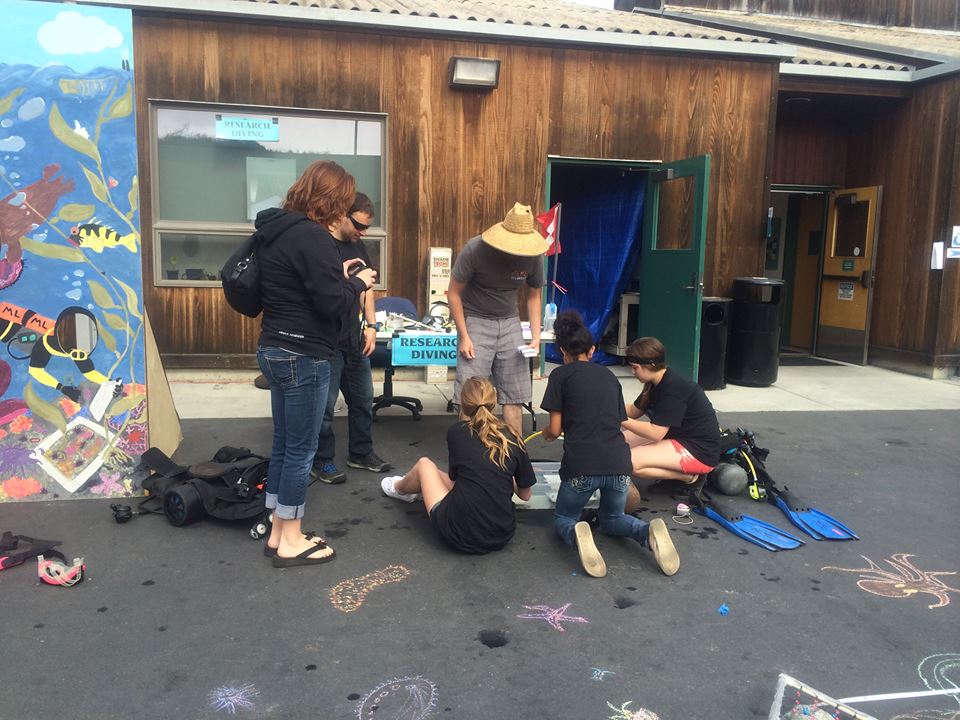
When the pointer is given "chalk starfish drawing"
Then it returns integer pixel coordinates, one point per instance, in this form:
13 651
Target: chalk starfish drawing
902 581
231 698
406 698
555 616
349 595
625 713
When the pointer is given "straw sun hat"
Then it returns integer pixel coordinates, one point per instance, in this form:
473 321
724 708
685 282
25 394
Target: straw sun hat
517 234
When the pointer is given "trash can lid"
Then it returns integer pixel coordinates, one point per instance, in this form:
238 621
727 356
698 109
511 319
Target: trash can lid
715 299
758 281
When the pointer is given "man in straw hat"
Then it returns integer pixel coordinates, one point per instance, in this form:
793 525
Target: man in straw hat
491 275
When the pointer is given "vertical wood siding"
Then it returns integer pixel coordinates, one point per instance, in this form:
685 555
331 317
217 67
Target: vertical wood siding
458 160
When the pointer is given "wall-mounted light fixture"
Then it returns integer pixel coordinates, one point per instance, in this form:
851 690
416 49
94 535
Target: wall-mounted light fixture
469 73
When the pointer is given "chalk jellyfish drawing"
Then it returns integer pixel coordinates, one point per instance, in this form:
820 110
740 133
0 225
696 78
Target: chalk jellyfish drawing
233 698
349 595
554 616
406 698
902 581
625 713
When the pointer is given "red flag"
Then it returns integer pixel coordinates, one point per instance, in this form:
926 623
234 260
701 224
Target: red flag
550 229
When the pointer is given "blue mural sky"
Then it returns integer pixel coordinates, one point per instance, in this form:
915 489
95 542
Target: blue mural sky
47 33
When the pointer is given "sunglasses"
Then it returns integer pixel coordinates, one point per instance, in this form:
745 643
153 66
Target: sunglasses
360 227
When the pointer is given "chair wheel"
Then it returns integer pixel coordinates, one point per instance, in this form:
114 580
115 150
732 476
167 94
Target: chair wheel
183 505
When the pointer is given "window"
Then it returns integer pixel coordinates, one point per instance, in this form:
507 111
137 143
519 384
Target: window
216 166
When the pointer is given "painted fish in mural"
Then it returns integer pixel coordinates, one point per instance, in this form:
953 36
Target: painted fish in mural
23 211
99 237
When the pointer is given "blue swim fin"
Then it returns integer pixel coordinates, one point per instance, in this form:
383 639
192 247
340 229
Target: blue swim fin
815 523
751 529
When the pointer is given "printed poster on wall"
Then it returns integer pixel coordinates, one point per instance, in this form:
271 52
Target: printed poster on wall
72 394
845 291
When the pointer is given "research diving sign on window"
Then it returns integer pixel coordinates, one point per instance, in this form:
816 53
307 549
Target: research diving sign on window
245 128
424 349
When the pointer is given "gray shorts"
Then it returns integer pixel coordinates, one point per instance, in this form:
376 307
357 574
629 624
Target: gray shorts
495 343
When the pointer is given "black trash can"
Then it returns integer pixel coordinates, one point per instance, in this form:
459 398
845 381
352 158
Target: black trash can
753 355
714 329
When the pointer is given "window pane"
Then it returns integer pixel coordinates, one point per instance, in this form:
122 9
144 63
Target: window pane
375 247
209 175
851 229
195 257
675 216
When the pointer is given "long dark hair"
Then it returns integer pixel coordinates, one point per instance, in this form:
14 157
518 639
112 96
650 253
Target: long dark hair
649 352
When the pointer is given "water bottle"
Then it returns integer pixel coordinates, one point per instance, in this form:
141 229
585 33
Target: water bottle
549 315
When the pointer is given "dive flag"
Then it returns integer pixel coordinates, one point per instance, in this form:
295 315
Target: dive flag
550 229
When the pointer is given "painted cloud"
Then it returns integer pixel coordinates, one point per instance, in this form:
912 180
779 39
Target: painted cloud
71 33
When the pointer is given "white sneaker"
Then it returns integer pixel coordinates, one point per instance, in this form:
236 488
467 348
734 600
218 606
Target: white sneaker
389 487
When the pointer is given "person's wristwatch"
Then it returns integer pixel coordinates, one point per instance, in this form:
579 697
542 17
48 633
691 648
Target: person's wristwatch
375 326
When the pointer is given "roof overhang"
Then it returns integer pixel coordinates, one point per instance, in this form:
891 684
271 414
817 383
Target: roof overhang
381 22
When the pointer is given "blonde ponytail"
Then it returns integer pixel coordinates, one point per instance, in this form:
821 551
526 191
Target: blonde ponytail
478 398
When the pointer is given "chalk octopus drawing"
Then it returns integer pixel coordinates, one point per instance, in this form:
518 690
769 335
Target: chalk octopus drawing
904 580
625 713
349 595
406 698
554 616
233 697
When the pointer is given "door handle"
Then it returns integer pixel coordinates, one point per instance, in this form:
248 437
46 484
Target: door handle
694 283
866 279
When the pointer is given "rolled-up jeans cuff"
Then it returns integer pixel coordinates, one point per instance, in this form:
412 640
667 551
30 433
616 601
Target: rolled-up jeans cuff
289 512
271 501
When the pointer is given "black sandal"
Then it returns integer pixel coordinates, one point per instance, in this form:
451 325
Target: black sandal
310 535
305 558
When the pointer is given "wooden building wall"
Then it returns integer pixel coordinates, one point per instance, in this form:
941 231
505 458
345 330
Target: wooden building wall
457 161
910 147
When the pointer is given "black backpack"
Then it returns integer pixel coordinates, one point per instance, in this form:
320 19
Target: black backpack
241 278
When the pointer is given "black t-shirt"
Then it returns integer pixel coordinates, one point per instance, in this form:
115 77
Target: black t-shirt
591 400
477 515
350 334
681 405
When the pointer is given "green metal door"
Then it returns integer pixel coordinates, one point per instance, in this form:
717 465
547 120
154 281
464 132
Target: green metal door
671 259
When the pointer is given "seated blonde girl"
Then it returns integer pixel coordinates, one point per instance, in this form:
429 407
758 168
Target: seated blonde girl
471 508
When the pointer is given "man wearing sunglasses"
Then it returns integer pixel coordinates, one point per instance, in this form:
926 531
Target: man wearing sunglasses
350 366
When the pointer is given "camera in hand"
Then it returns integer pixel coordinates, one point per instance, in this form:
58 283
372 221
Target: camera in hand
356 267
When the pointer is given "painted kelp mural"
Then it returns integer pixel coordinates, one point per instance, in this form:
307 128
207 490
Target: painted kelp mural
72 395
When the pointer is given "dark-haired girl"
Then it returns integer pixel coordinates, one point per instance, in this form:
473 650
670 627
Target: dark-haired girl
681 441
585 403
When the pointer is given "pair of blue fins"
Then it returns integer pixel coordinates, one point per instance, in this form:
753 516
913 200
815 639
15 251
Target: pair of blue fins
813 522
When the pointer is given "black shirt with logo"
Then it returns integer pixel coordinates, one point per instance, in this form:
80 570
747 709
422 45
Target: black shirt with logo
350 333
477 516
680 404
591 400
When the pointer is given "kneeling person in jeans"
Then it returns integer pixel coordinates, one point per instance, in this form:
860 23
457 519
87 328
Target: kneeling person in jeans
350 366
585 402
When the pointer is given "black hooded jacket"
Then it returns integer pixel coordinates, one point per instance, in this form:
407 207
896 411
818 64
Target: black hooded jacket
305 296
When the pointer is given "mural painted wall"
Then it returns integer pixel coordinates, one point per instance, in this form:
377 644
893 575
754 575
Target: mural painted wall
72 393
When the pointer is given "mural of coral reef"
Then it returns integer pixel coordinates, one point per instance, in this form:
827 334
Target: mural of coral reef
72 393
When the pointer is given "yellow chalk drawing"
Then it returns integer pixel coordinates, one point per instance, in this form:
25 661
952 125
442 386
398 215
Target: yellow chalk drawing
348 596
904 580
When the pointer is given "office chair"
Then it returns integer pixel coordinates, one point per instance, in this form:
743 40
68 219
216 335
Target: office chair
382 357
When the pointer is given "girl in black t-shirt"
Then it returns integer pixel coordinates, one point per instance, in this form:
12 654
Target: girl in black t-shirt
585 402
471 509
682 439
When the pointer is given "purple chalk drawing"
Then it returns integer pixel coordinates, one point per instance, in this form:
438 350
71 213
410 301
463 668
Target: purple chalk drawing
232 698
406 698
555 616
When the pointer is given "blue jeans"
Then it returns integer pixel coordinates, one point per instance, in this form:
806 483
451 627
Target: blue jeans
349 372
298 387
574 494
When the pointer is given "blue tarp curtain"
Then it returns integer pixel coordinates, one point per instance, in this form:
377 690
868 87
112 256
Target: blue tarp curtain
602 208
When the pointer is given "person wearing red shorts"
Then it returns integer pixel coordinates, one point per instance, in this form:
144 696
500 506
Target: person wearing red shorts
681 441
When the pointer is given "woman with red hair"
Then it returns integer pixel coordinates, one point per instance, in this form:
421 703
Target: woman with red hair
305 290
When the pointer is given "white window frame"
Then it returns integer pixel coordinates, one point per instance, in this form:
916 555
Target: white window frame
243 230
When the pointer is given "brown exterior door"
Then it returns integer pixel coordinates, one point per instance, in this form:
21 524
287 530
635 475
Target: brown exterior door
846 287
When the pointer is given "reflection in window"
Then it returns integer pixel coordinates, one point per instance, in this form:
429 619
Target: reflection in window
212 176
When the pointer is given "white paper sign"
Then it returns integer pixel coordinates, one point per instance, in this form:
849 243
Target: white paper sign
845 291
955 239
953 253
936 256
